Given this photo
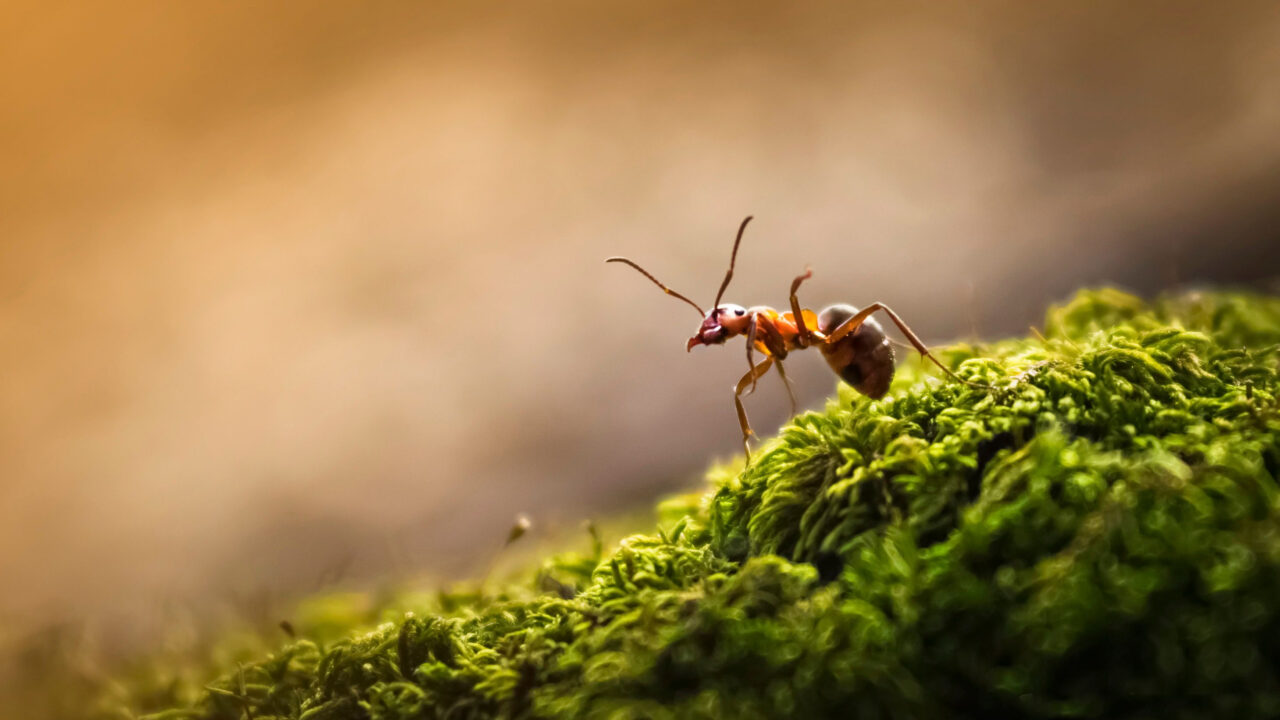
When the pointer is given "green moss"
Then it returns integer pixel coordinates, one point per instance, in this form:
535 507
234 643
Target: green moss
1095 536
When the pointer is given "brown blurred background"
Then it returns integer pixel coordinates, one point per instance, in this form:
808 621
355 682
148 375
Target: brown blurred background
297 290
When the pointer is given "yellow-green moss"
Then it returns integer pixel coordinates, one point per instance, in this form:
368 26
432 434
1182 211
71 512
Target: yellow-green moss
1097 535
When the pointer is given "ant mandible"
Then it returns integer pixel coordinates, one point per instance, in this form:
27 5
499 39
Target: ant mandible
852 342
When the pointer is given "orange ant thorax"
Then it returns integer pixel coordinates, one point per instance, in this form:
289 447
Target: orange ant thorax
775 333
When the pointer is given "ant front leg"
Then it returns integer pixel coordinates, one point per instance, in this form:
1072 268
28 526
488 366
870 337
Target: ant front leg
806 334
856 321
750 378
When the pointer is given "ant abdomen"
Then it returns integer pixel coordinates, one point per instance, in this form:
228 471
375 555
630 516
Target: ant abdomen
864 357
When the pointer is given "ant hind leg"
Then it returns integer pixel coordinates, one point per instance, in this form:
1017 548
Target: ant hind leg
856 321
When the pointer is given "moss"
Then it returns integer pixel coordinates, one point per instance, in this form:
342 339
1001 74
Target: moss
1096 536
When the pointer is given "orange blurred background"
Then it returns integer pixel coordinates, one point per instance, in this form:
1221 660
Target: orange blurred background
295 286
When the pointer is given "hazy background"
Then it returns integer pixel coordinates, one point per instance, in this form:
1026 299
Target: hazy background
297 290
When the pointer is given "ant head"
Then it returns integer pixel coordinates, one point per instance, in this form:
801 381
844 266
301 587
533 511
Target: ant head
724 321
720 324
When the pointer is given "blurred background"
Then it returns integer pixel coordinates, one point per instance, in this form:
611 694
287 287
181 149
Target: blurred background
297 292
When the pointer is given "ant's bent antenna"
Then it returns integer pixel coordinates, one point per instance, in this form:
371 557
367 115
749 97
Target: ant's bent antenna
665 289
732 259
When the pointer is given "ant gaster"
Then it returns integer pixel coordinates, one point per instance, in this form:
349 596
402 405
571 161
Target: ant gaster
852 342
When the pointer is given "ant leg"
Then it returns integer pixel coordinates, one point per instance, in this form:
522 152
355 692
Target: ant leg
851 324
751 349
791 393
856 321
752 375
806 335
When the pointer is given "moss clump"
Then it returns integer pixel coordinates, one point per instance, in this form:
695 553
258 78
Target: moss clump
1098 535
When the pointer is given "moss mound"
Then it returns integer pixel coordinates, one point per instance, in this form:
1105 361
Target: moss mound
1097 535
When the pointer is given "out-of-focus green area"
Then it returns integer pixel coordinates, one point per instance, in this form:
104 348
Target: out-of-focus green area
1096 533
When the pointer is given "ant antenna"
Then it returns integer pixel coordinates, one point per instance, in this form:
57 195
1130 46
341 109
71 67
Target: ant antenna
665 289
732 259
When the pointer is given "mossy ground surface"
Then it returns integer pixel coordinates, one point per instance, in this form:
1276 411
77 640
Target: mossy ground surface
1096 535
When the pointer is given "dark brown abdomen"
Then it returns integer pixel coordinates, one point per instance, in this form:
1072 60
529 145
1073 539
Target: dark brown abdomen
864 357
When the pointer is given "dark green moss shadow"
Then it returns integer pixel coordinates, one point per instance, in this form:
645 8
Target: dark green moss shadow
1095 535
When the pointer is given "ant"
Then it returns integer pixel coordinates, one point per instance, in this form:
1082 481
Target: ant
852 342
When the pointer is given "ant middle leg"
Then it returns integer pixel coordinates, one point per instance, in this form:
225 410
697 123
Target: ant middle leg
791 393
806 333
856 321
750 378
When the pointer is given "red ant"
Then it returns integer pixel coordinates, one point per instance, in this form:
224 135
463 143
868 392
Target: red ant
852 342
